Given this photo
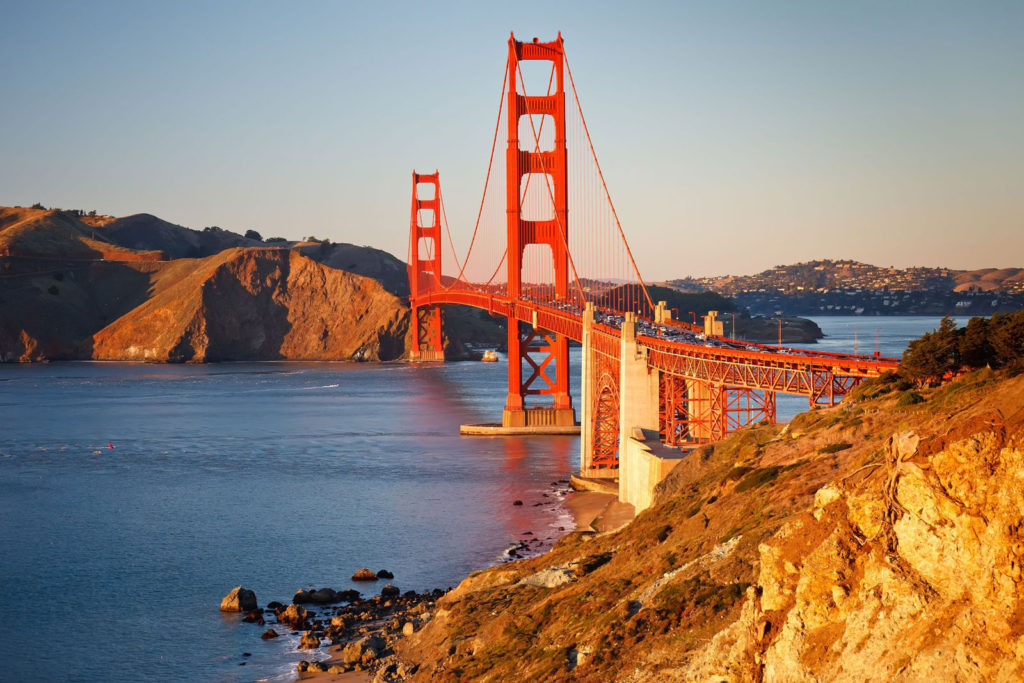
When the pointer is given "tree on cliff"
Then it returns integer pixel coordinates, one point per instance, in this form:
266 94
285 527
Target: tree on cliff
1007 339
996 342
934 354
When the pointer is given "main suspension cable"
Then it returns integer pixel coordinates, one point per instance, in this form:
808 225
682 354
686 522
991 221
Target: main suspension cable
604 185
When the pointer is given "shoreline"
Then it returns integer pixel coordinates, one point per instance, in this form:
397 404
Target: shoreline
388 620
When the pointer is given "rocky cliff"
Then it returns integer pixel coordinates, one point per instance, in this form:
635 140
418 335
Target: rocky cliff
882 539
258 304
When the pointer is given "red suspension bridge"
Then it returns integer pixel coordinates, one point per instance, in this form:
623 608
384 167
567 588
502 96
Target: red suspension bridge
548 253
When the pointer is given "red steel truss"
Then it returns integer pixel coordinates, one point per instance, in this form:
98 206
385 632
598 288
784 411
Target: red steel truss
824 379
693 413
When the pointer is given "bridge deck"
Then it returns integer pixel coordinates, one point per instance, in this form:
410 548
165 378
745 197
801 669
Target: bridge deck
679 349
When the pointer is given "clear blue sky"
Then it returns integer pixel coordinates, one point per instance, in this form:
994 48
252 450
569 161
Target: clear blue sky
734 135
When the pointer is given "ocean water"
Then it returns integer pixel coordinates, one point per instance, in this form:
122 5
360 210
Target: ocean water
277 476
862 334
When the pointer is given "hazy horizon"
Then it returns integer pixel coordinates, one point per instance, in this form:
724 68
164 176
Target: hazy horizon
884 133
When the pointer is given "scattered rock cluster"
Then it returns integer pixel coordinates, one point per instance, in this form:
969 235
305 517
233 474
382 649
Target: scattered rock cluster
365 629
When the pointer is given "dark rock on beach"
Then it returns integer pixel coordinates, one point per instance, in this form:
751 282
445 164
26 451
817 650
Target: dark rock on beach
389 591
363 651
309 641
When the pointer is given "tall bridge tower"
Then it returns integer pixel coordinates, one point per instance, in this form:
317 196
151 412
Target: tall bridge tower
425 266
545 354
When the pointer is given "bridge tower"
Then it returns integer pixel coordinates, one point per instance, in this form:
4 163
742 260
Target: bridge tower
425 266
544 353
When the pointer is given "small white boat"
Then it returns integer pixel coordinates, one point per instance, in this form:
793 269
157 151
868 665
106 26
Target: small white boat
490 356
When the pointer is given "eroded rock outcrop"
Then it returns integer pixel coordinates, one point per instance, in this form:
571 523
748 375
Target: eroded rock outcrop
259 304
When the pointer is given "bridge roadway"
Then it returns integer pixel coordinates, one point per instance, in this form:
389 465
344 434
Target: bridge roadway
682 350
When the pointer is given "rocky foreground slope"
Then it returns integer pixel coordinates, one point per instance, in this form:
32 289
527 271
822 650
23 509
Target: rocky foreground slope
882 539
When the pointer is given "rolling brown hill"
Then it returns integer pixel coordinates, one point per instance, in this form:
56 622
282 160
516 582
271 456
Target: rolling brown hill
51 233
988 279
147 232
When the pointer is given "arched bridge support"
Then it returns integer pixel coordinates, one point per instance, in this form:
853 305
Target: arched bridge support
620 394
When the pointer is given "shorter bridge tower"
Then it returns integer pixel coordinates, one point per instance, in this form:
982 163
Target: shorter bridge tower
425 267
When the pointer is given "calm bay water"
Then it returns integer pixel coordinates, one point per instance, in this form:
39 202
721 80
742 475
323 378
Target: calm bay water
273 475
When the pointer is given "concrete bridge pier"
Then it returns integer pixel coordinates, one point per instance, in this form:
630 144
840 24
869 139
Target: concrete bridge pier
638 386
636 396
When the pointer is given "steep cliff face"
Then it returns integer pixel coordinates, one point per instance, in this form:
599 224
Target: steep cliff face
258 304
879 540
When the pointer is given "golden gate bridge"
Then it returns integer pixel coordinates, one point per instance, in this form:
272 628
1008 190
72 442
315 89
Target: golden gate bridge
548 253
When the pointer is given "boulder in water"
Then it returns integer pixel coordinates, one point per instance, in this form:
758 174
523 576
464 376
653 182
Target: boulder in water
324 596
364 574
385 574
239 600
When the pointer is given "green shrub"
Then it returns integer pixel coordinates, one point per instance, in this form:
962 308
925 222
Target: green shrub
758 478
909 398
835 447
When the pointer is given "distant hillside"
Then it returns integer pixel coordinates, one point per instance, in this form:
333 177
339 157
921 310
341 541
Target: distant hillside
821 276
990 279
681 303
853 288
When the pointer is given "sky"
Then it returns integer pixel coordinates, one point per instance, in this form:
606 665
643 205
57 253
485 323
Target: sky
734 136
